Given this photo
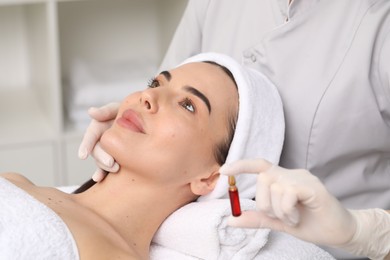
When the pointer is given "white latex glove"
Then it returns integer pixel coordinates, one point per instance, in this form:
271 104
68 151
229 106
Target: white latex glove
372 237
102 119
296 202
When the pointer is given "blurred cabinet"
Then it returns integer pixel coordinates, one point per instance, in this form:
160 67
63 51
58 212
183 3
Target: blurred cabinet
39 40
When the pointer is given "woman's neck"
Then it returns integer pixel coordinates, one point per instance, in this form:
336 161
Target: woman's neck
134 208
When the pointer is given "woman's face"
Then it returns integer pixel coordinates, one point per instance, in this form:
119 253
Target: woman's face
168 132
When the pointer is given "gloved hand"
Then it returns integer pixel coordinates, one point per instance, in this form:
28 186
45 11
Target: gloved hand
102 119
296 202
372 236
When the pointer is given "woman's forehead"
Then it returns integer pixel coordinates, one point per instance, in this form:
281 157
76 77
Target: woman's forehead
204 75
210 79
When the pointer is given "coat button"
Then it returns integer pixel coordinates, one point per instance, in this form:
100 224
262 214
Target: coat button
253 58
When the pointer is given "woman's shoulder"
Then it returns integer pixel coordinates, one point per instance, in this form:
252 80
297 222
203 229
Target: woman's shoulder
15 177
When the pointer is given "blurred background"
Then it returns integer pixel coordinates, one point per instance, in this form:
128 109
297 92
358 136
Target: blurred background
60 57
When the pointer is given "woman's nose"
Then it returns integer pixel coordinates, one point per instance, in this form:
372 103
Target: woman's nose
149 101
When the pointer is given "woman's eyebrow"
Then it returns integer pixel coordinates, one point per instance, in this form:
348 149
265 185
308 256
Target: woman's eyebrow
166 74
200 95
190 89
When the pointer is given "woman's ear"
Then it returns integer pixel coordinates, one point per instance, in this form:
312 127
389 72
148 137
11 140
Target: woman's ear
204 186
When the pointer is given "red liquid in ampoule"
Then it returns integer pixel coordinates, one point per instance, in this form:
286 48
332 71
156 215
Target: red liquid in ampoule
235 202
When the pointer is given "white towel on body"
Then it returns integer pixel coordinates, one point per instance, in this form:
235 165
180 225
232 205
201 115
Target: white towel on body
199 231
260 125
31 230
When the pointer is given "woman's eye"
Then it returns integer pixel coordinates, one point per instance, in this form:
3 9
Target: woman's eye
187 104
153 83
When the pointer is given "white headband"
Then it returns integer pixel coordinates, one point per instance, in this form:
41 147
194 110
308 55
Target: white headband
260 125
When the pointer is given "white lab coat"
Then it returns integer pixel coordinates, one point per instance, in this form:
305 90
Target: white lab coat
330 61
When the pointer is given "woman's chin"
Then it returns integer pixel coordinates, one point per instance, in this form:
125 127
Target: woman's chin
110 143
116 146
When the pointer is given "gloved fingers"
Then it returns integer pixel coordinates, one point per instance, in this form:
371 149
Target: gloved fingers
245 166
91 137
102 157
103 160
263 194
289 202
299 185
255 219
113 169
276 198
247 219
104 113
307 197
99 175
102 120
283 205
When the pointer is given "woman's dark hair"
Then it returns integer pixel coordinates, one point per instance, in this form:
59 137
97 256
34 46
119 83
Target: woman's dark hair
85 186
221 149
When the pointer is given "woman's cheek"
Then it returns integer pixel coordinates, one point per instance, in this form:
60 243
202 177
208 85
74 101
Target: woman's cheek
174 134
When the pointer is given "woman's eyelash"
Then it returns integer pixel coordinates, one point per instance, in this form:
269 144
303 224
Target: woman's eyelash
153 83
188 105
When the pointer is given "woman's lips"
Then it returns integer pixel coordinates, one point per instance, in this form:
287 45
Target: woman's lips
131 120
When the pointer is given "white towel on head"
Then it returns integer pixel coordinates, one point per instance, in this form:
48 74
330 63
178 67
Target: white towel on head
260 124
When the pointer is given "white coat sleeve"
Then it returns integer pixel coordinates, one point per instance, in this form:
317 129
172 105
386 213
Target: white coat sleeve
187 40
